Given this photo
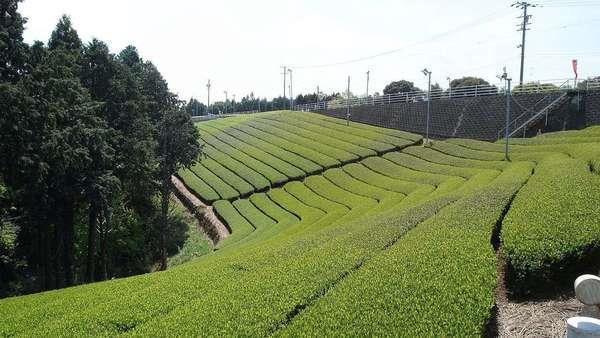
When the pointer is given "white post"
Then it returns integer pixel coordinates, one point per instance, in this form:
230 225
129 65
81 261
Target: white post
587 291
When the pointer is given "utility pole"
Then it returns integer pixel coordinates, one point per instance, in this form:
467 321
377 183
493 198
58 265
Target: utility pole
523 28
428 74
233 104
284 78
291 92
226 99
208 102
348 103
317 107
507 81
368 73
449 87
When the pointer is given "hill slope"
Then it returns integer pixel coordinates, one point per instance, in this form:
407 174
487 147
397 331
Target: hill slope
399 242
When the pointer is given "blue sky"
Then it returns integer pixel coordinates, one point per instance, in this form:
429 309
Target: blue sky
240 45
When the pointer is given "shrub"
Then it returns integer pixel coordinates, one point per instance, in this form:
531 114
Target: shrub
552 228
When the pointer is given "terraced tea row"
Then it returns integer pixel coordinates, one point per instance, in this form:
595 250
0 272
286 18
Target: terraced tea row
245 154
392 243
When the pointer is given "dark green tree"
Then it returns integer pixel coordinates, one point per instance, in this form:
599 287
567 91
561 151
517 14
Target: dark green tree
468 81
401 86
195 108
178 147
116 83
13 51
65 36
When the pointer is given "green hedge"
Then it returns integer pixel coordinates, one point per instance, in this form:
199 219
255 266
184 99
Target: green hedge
239 184
437 280
290 171
394 170
416 163
306 165
330 140
358 205
257 180
391 136
364 174
250 212
194 183
224 190
379 130
553 225
385 199
440 157
239 225
343 135
318 145
271 174
321 159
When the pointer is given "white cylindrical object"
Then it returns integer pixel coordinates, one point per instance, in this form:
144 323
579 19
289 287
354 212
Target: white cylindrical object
583 327
587 289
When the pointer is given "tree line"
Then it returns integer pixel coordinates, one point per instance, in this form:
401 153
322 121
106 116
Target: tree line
88 143
252 103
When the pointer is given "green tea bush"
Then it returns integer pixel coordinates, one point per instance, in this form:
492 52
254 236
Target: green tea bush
394 170
345 136
364 174
419 286
391 136
275 177
257 180
552 228
321 159
290 171
196 185
239 184
224 190
352 148
435 156
256 217
306 165
316 144
239 225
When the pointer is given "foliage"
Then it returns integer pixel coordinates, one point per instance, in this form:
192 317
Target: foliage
401 86
13 51
83 133
336 245
468 81
251 153
550 239
534 86
195 244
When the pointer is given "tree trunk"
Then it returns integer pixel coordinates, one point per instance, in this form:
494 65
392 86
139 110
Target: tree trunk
57 278
91 247
45 256
164 209
69 236
103 254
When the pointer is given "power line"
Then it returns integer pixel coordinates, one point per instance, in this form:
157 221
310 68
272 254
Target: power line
482 20
569 3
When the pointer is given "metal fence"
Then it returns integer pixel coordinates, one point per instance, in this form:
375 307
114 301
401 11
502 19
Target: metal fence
460 92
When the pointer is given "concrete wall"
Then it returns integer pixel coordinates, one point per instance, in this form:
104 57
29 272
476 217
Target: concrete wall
471 117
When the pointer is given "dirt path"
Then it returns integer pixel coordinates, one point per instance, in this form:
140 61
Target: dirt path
208 220
535 318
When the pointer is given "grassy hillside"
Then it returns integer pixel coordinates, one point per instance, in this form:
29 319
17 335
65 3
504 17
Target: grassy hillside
248 154
361 232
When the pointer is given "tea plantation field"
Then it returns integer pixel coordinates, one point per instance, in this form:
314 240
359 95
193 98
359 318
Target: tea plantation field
349 230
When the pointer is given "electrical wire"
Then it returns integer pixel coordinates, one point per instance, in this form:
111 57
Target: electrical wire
482 20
